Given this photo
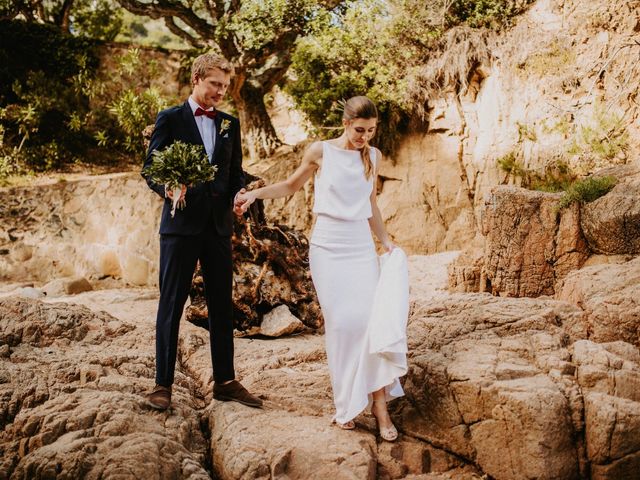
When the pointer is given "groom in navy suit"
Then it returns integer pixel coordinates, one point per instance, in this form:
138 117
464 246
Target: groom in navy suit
200 231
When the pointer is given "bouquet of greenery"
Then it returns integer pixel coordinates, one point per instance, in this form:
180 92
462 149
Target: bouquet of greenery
180 164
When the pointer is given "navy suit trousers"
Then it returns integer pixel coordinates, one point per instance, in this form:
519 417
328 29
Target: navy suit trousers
178 258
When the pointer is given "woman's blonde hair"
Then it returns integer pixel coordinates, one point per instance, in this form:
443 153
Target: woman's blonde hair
361 107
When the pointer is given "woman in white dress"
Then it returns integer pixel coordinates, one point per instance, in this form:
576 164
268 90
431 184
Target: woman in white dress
343 261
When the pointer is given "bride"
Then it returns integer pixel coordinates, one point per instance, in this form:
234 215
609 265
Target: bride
344 264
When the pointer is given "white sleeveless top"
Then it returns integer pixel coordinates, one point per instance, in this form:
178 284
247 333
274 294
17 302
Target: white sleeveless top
341 189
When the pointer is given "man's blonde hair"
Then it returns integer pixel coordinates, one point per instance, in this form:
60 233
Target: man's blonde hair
207 61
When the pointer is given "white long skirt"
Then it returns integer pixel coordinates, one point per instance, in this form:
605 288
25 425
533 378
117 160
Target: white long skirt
345 271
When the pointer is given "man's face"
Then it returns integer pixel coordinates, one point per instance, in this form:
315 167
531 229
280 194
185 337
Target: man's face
210 90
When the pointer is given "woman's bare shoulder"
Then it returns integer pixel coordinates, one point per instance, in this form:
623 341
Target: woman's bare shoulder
315 148
314 152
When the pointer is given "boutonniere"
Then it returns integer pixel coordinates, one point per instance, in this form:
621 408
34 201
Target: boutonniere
224 128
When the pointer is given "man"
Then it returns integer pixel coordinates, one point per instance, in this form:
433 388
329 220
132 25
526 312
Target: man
201 231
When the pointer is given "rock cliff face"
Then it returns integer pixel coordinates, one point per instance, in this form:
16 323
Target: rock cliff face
559 88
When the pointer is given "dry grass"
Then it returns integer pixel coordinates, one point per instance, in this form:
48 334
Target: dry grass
459 53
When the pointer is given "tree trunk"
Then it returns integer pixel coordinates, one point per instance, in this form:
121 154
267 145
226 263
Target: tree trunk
258 134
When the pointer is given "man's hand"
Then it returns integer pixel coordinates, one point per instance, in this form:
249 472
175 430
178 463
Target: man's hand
168 193
239 201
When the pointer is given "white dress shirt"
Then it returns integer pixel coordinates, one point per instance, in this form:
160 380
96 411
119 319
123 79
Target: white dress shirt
206 127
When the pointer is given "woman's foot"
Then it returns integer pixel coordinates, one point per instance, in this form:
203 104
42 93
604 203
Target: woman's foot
350 425
386 427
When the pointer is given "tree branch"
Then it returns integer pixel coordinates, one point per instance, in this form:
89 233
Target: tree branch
170 8
176 30
62 17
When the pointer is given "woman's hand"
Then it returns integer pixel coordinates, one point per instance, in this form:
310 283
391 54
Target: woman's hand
389 246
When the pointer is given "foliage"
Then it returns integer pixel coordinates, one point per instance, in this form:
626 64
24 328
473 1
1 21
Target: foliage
333 65
37 95
556 176
100 19
552 60
27 47
180 164
526 132
377 47
257 36
145 31
587 190
58 109
601 141
97 19
486 13
135 111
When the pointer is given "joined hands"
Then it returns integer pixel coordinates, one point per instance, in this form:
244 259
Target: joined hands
242 201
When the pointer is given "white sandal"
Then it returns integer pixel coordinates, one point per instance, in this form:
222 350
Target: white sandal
350 425
390 434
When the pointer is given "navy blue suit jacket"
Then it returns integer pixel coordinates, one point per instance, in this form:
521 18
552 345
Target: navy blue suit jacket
208 201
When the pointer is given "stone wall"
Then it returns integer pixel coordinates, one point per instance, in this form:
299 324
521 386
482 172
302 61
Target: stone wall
94 227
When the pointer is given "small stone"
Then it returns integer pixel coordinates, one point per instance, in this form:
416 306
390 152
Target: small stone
280 321
77 285
31 292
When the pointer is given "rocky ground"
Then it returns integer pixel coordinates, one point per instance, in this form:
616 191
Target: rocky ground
501 387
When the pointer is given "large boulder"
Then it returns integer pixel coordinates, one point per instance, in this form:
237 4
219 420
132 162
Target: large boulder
493 381
529 243
611 224
72 404
609 377
610 298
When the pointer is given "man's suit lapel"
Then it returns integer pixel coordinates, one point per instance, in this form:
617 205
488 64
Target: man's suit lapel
191 127
218 141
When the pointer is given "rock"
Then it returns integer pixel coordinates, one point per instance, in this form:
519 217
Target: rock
497 387
271 268
58 420
66 286
492 381
611 224
609 375
136 270
286 446
31 292
280 321
609 294
21 252
54 288
77 285
107 263
465 272
529 246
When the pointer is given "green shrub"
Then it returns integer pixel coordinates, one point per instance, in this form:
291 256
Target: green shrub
58 109
133 112
556 176
38 96
587 190
383 49
601 140
487 13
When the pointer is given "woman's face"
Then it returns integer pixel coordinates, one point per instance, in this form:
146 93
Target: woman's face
359 131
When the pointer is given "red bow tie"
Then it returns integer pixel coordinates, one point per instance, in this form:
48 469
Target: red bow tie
208 113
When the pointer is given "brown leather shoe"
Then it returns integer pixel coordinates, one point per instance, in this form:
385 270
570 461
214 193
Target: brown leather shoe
160 398
235 392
